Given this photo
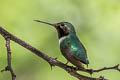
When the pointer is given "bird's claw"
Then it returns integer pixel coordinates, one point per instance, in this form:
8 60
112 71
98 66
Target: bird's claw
67 62
90 71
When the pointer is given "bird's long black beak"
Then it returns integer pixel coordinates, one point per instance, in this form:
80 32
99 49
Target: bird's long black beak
46 23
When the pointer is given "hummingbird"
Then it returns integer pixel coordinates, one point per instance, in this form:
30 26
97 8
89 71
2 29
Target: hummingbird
70 45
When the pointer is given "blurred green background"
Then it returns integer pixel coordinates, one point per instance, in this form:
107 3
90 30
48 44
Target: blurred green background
97 23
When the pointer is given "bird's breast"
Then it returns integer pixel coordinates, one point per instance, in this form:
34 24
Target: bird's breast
62 39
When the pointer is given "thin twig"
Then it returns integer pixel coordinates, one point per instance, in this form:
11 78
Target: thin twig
51 61
9 67
116 67
91 71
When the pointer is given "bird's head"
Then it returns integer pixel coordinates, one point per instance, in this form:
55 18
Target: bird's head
63 28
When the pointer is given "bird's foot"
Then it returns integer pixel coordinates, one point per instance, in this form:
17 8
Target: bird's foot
90 71
67 62
74 68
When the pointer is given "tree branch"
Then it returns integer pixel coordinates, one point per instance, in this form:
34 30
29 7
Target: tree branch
9 67
50 60
91 71
116 67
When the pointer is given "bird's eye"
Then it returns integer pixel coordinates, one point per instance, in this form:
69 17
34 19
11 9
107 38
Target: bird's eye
62 24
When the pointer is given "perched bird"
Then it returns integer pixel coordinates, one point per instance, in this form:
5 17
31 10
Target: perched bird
71 47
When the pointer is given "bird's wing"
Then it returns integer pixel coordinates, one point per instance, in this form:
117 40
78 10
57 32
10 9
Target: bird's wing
78 50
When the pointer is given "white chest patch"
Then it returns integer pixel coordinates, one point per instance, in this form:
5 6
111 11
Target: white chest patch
61 39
